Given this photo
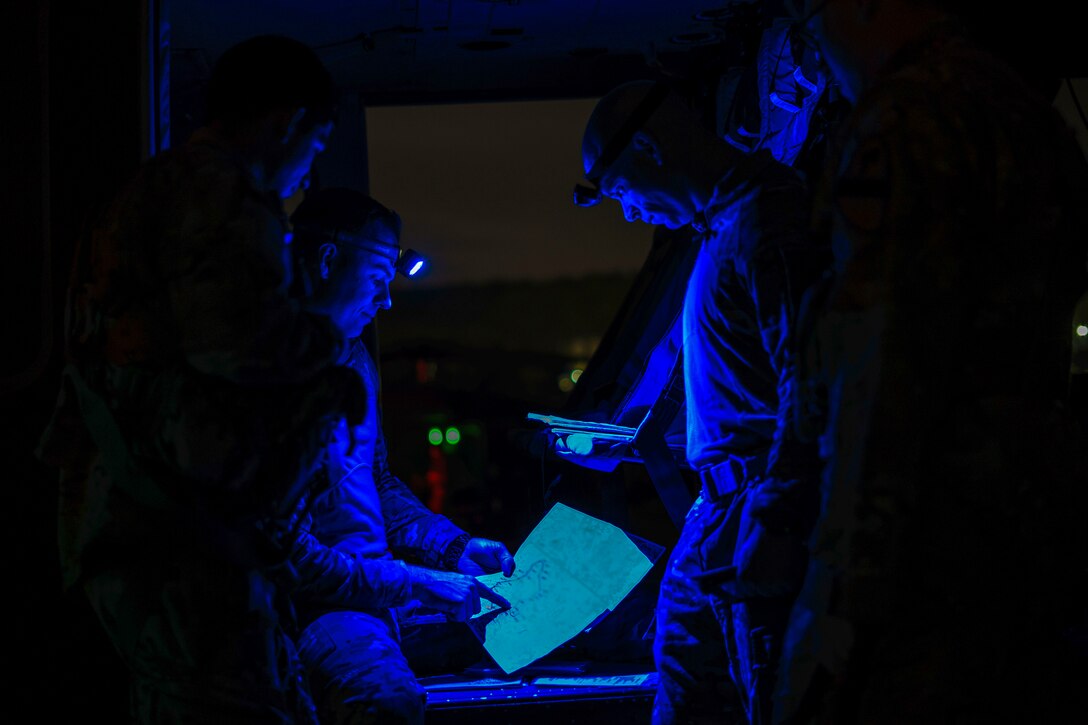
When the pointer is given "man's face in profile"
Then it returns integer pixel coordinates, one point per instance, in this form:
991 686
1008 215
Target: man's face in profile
357 285
643 188
301 149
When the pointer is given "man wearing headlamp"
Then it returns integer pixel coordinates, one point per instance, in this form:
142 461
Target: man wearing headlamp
737 565
348 583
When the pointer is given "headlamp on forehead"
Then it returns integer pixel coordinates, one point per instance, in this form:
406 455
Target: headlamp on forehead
410 262
591 195
407 262
587 195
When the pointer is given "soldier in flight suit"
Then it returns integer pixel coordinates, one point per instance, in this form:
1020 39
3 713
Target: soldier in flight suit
350 590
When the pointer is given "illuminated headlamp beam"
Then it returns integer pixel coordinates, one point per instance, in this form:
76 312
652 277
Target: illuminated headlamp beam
410 262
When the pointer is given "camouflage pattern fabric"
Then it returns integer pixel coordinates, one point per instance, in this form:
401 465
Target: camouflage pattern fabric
225 396
948 565
358 672
203 641
192 261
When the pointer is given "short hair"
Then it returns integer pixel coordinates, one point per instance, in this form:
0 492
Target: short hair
268 73
328 213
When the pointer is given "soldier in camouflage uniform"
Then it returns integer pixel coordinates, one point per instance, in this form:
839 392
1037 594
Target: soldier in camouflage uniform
199 399
348 585
948 565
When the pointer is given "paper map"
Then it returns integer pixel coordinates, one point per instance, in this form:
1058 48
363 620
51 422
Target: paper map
570 569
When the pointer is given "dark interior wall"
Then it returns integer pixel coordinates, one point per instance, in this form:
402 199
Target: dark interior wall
70 135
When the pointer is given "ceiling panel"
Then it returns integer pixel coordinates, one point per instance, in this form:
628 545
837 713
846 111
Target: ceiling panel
420 51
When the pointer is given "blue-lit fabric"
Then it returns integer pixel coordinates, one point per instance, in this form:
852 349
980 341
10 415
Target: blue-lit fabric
787 97
328 578
348 515
739 310
358 673
344 559
348 583
714 651
738 320
789 93
693 627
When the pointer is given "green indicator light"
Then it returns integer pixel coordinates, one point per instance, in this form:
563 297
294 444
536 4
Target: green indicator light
453 436
434 436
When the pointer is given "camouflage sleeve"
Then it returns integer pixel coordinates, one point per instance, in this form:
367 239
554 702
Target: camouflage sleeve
225 255
786 264
410 527
328 576
883 325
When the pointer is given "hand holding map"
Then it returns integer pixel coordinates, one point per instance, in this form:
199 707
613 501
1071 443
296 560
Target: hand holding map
570 570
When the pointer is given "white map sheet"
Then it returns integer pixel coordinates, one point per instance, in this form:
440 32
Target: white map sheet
570 569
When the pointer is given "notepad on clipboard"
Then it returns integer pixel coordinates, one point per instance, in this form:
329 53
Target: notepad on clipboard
599 446
569 426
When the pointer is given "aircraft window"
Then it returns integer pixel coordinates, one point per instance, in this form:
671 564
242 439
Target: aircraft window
521 288
516 267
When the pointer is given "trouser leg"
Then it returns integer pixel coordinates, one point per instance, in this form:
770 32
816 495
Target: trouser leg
689 646
755 632
358 673
196 648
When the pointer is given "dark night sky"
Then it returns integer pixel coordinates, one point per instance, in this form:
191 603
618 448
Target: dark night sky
485 190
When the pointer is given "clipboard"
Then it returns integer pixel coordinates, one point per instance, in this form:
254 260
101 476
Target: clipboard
603 446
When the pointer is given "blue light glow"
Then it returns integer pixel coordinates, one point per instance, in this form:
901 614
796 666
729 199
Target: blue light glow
415 268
